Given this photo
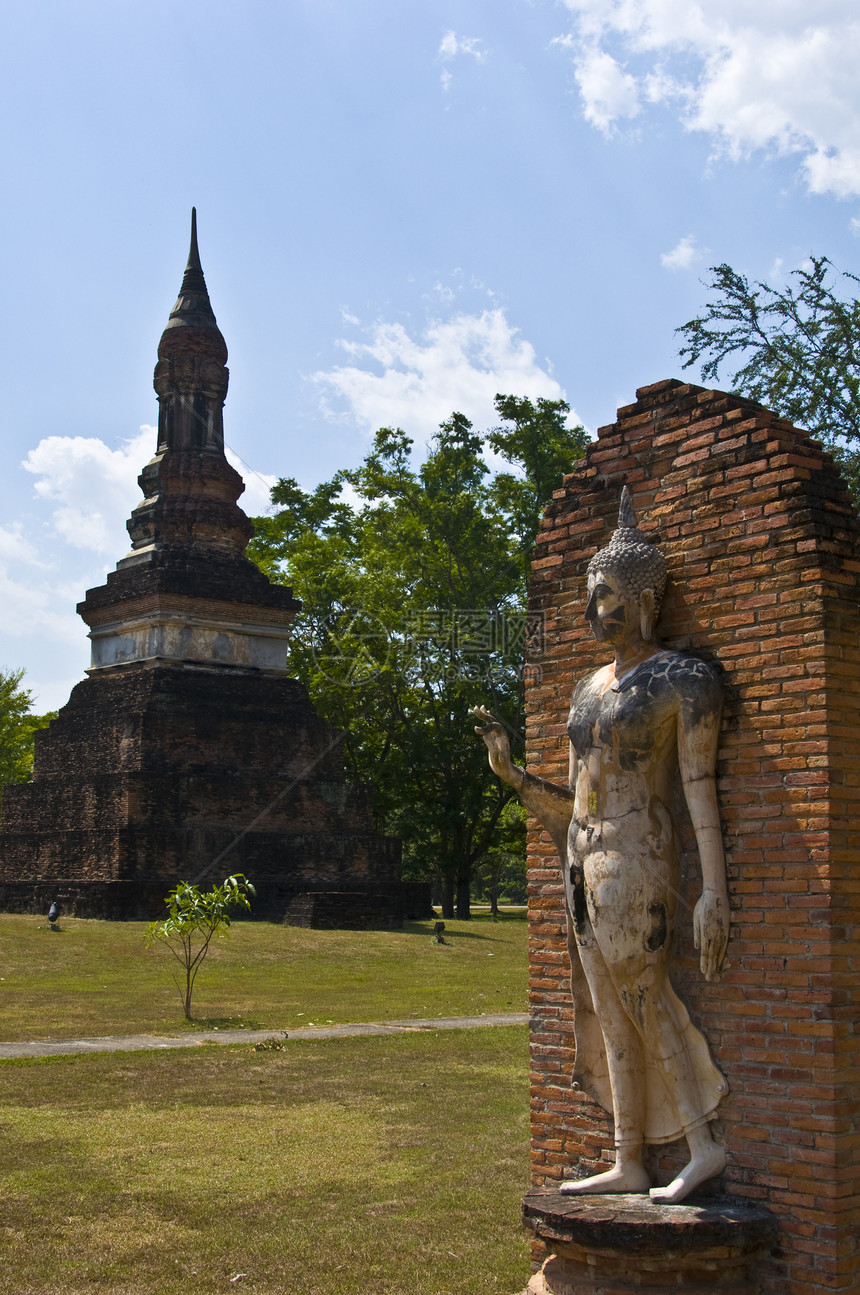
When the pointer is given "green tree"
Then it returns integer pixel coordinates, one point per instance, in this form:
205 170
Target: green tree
18 728
796 350
414 611
194 918
503 869
538 443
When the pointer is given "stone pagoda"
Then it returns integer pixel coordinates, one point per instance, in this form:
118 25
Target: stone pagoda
187 752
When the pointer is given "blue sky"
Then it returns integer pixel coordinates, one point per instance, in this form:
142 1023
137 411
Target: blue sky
403 208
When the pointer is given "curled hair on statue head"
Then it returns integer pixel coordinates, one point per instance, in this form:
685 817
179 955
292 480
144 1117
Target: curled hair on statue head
630 556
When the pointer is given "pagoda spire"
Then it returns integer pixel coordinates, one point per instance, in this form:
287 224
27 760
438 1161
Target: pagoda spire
191 375
193 251
190 489
193 307
186 592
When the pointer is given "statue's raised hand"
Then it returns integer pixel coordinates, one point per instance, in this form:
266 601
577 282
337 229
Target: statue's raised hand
711 931
498 746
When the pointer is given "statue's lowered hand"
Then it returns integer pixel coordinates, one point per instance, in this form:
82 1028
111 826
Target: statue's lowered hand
711 931
498 746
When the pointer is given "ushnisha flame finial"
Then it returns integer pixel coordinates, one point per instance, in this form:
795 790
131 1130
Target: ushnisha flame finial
626 515
631 556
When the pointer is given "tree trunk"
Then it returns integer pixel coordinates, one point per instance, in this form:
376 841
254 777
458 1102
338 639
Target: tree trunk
448 893
464 912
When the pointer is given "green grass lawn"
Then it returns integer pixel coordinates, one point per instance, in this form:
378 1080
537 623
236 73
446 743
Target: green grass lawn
340 1167
96 978
385 1165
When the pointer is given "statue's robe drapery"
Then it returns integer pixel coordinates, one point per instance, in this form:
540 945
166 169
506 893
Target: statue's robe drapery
668 688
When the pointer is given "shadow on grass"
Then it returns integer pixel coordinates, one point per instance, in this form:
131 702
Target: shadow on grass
484 921
451 937
222 1023
481 918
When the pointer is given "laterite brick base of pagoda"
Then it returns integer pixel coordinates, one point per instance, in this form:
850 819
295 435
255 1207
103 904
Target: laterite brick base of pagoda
150 773
763 550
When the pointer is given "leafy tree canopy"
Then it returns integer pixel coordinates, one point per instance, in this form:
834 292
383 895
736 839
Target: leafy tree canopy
18 728
414 611
537 441
796 350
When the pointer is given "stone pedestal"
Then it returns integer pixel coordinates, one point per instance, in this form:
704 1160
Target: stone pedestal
611 1245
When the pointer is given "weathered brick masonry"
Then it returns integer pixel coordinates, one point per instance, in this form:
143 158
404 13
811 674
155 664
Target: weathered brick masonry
762 547
150 773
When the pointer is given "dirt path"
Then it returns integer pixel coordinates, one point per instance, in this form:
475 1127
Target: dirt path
194 1038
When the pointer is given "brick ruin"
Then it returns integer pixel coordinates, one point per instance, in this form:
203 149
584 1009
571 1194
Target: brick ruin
762 546
187 752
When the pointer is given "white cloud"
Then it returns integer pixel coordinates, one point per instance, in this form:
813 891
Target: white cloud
779 76
30 605
258 485
14 547
38 604
45 570
684 255
452 45
443 292
41 629
398 380
608 92
89 491
93 487
449 45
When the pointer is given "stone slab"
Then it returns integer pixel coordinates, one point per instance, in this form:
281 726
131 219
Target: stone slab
634 1223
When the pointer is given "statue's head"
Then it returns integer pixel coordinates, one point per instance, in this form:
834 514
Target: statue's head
626 579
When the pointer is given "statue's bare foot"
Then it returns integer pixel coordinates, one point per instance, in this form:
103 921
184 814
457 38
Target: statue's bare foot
706 1163
622 1178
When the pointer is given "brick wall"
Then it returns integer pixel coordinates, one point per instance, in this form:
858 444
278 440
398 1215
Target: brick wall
764 570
